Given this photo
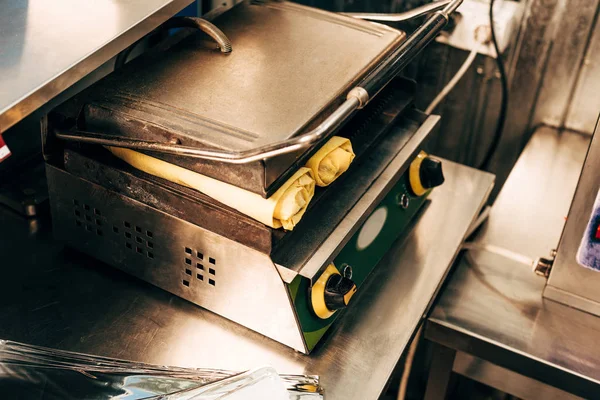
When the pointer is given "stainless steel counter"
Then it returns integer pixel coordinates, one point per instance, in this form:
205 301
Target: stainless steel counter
47 46
492 308
56 297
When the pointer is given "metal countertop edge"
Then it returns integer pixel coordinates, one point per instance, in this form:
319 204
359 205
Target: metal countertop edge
28 103
439 331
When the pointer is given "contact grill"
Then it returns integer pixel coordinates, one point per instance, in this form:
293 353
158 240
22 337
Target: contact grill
295 76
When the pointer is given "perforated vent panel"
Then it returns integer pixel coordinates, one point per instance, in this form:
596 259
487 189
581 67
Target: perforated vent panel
136 238
88 219
198 268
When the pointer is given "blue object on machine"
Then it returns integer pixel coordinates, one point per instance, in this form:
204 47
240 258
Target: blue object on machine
189 11
588 254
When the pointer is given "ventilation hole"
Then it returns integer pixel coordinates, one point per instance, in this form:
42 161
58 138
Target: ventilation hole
86 207
211 271
200 277
88 228
127 224
78 223
150 254
139 239
188 250
199 266
77 213
88 218
75 202
150 245
129 246
200 255
211 282
188 272
128 235
188 261
99 232
138 250
212 260
97 212
149 234
186 283
98 222
115 229
138 229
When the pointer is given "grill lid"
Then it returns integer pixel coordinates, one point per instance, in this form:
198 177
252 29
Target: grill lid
290 67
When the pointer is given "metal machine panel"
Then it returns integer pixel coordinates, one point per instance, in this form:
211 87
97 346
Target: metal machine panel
182 258
584 107
573 25
575 277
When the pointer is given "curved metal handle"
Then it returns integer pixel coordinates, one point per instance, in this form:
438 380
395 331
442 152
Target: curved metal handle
357 98
403 16
200 23
183 22
321 132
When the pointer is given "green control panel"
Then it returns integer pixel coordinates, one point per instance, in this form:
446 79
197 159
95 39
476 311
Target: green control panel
318 305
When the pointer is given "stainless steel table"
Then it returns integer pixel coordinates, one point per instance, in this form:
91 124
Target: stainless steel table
491 322
47 46
56 297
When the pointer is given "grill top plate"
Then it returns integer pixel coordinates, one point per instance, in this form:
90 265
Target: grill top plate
290 66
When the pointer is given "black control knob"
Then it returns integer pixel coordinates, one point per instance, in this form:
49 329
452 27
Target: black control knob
430 173
338 292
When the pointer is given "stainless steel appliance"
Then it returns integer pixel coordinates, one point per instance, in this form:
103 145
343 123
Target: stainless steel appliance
294 77
575 275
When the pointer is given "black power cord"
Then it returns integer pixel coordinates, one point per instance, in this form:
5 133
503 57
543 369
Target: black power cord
504 101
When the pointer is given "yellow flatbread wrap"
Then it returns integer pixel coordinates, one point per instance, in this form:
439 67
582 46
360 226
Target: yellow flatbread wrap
284 208
331 160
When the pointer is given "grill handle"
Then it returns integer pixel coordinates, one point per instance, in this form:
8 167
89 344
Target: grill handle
357 98
403 55
403 16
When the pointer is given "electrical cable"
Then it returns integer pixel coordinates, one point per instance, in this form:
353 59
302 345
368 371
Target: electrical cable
410 357
501 251
457 77
482 36
485 163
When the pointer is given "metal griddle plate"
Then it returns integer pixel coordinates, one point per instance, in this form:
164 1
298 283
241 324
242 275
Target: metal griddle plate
290 66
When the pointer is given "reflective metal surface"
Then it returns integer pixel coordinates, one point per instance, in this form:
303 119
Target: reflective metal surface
507 381
526 70
584 107
56 297
573 25
569 282
493 308
45 47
